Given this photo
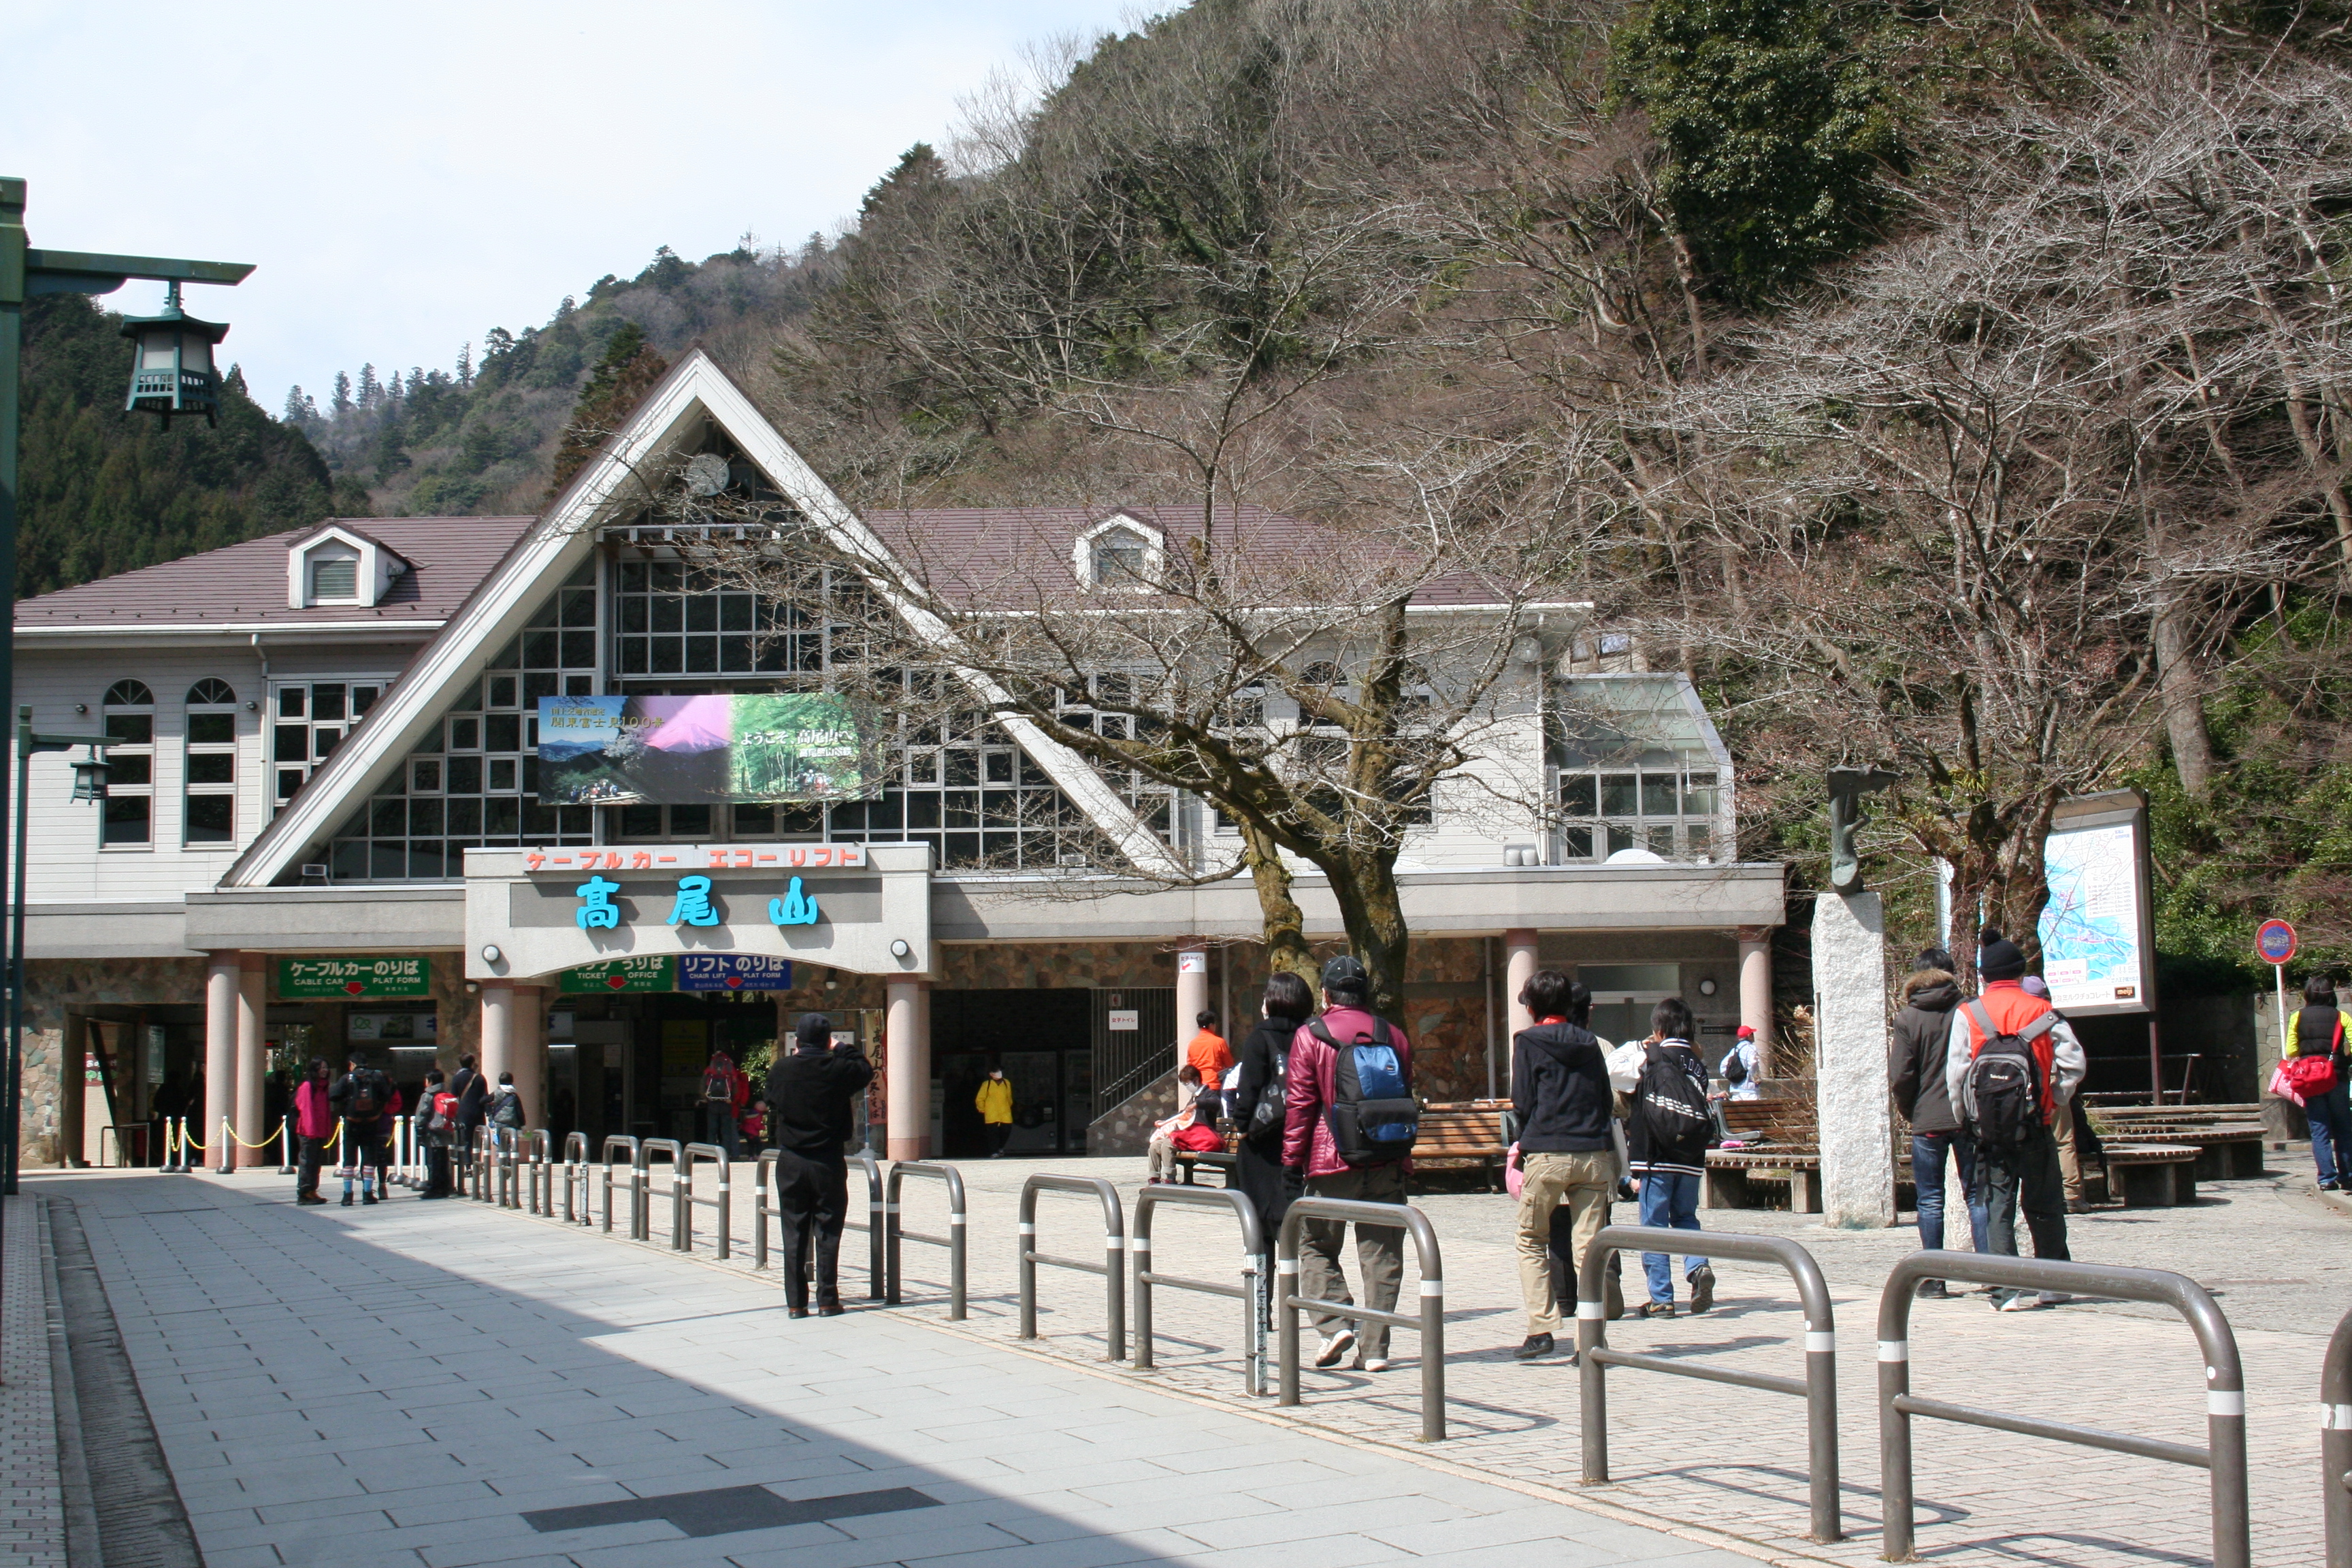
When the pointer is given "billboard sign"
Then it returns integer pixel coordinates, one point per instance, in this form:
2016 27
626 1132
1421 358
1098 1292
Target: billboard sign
2098 938
781 747
356 977
733 972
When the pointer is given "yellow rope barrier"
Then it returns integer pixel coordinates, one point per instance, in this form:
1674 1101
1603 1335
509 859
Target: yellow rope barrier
267 1140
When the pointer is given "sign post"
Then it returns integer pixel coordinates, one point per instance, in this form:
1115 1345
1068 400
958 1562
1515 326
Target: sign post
2275 944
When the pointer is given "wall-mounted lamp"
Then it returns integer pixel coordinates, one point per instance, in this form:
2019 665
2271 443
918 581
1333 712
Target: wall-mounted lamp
1707 987
900 949
490 955
81 707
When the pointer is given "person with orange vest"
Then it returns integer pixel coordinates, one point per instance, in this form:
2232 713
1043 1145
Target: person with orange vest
2022 1173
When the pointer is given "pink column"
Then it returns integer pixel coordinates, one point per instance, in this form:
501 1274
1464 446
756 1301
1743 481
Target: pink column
252 1059
1756 990
906 1062
1518 968
220 1054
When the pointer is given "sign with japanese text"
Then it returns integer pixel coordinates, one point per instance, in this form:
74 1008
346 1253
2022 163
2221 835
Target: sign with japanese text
785 747
1125 1019
696 858
420 1028
733 972
630 974
344 979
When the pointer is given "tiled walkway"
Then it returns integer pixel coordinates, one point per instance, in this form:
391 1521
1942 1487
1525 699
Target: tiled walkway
32 1512
440 1384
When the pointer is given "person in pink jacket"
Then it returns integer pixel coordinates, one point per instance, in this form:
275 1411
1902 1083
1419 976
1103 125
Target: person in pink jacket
314 1123
1308 1146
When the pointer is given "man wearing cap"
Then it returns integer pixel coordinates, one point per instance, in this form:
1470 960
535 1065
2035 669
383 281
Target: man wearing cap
810 1094
2026 1177
1308 1146
1738 1066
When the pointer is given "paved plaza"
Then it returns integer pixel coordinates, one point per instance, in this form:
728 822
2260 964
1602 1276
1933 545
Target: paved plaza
450 1383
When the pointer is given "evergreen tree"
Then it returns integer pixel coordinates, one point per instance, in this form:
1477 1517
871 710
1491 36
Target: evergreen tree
370 390
466 366
343 404
627 370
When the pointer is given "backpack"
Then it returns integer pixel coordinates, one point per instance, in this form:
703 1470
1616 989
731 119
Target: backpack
2309 1075
1671 1101
1273 1108
508 1111
2001 1094
1735 1069
715 1089
441 1113
1373 1116
367 1097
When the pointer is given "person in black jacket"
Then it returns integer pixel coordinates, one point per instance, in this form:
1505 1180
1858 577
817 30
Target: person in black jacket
1917 1042
360 1098
472 1098
810 1093
1562 1101
1258 1097
1666 1139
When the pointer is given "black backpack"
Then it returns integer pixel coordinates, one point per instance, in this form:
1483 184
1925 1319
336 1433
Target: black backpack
2001 1094
508 1111
366 1103
1671 1099
1373 1116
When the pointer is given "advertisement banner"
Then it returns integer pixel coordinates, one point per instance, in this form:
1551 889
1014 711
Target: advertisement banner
631 974
733 972
340 979
779 747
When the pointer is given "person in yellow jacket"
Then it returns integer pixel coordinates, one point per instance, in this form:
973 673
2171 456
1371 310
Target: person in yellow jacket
994 1102
2319 1028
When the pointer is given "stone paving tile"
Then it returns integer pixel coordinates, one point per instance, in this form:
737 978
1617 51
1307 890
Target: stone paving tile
557 1367
31 1508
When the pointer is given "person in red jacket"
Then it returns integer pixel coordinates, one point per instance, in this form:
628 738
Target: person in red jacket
1307 1147
314 1123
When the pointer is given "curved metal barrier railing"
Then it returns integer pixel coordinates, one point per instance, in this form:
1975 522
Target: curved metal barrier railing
646 1148
1817 1388
706 1153
893 1232
1250 1292
1430 1323
576 1166
539 1144
2223 1457
2336 1442
1113 1267
763 1208
617 1142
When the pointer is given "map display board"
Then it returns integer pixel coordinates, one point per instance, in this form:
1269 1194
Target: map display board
2096 952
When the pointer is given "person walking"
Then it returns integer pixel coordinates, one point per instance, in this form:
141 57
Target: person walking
994 1103
1260 1104
1355 1145
1208 1055
1738 1066
1667 1137
360 1097
437 1123
1917 1042
725 1092
1562 1103
812 1093
314 1124
2317 1038
2009 1104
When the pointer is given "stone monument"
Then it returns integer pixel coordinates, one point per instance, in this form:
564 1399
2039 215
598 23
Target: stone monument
1851 1095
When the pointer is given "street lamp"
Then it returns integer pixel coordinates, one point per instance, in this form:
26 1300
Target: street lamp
90 777
171 370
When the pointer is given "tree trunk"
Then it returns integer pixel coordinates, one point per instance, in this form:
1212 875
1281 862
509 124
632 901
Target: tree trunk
1285 924
2178 689
1373 912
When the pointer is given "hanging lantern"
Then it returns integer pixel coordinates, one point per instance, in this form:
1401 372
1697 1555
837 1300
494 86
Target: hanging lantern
90 777
171 373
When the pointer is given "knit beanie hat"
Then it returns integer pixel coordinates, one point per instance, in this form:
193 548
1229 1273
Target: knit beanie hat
1998 958
815 1029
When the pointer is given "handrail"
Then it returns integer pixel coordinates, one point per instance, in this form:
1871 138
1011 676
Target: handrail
2336 1442
764 1184
542 1172
627 1145
1251 1292
686 1200
672 1147
2224 1457
893 1232
1112 1267
1430 1323
576 1163
1817 1388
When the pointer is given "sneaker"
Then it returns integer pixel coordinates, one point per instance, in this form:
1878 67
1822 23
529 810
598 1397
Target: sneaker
1537 1347
1335 1348
1702 1286
2019 1302
1655 1310
1933 1291
1377 1363
2055 1298
2077 1206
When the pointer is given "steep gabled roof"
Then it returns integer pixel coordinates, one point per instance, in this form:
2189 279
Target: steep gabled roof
245 585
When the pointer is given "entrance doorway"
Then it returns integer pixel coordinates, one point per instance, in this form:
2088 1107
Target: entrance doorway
1041 1040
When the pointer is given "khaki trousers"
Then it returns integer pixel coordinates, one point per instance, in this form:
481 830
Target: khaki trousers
1380 1253
1585 1181
2070 1163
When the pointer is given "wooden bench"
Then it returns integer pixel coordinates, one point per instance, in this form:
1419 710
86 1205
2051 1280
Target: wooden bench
1454 1134
2151 1175
2228 1138
1188 1161
1790 1153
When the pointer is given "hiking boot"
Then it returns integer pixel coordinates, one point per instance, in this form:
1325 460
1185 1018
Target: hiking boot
368 1198
1335 1348
347 1200
1702 1286
1933 1291
1537 1347
309 1198
1655 1310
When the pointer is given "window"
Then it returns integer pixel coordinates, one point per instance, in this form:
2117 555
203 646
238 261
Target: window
1638 765
334 578
1120 556
308 722
209 810
128 813
674 619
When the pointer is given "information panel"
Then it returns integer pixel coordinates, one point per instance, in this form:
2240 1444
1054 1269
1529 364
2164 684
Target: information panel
2097 948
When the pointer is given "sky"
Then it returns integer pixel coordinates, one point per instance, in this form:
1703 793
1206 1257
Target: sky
407 176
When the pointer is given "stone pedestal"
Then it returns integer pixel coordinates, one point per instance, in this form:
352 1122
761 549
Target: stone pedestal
1850 1062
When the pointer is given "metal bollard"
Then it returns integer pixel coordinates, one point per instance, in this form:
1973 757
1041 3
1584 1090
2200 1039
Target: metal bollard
2336 1442
1251 1290
2224 1456
646 1150
953 1241
1817 1388
1112 1267
1431 1320
622 1144
712 1152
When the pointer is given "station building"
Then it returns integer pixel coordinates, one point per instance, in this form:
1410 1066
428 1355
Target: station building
321 835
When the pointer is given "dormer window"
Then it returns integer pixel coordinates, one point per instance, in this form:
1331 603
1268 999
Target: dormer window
1118 553
340 566
334 578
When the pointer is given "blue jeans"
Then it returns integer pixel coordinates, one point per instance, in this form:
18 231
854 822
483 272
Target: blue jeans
1670 1199
2330 1116
1928 1151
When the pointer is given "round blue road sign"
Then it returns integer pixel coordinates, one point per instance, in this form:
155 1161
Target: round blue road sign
2275 942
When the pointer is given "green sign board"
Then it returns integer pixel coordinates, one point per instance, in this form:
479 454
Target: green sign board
358 977
620 974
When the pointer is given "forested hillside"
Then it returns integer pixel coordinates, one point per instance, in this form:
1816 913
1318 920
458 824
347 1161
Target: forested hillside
106 492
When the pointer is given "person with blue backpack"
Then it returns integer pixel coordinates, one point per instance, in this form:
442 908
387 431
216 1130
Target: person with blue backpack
1348 1130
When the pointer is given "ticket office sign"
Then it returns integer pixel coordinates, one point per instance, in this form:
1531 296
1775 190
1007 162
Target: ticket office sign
630 975
344 979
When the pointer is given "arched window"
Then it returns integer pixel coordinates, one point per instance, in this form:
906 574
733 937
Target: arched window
128 814
208 815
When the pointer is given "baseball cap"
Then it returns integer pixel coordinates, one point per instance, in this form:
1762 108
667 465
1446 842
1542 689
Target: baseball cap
1344 973
1746 1031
